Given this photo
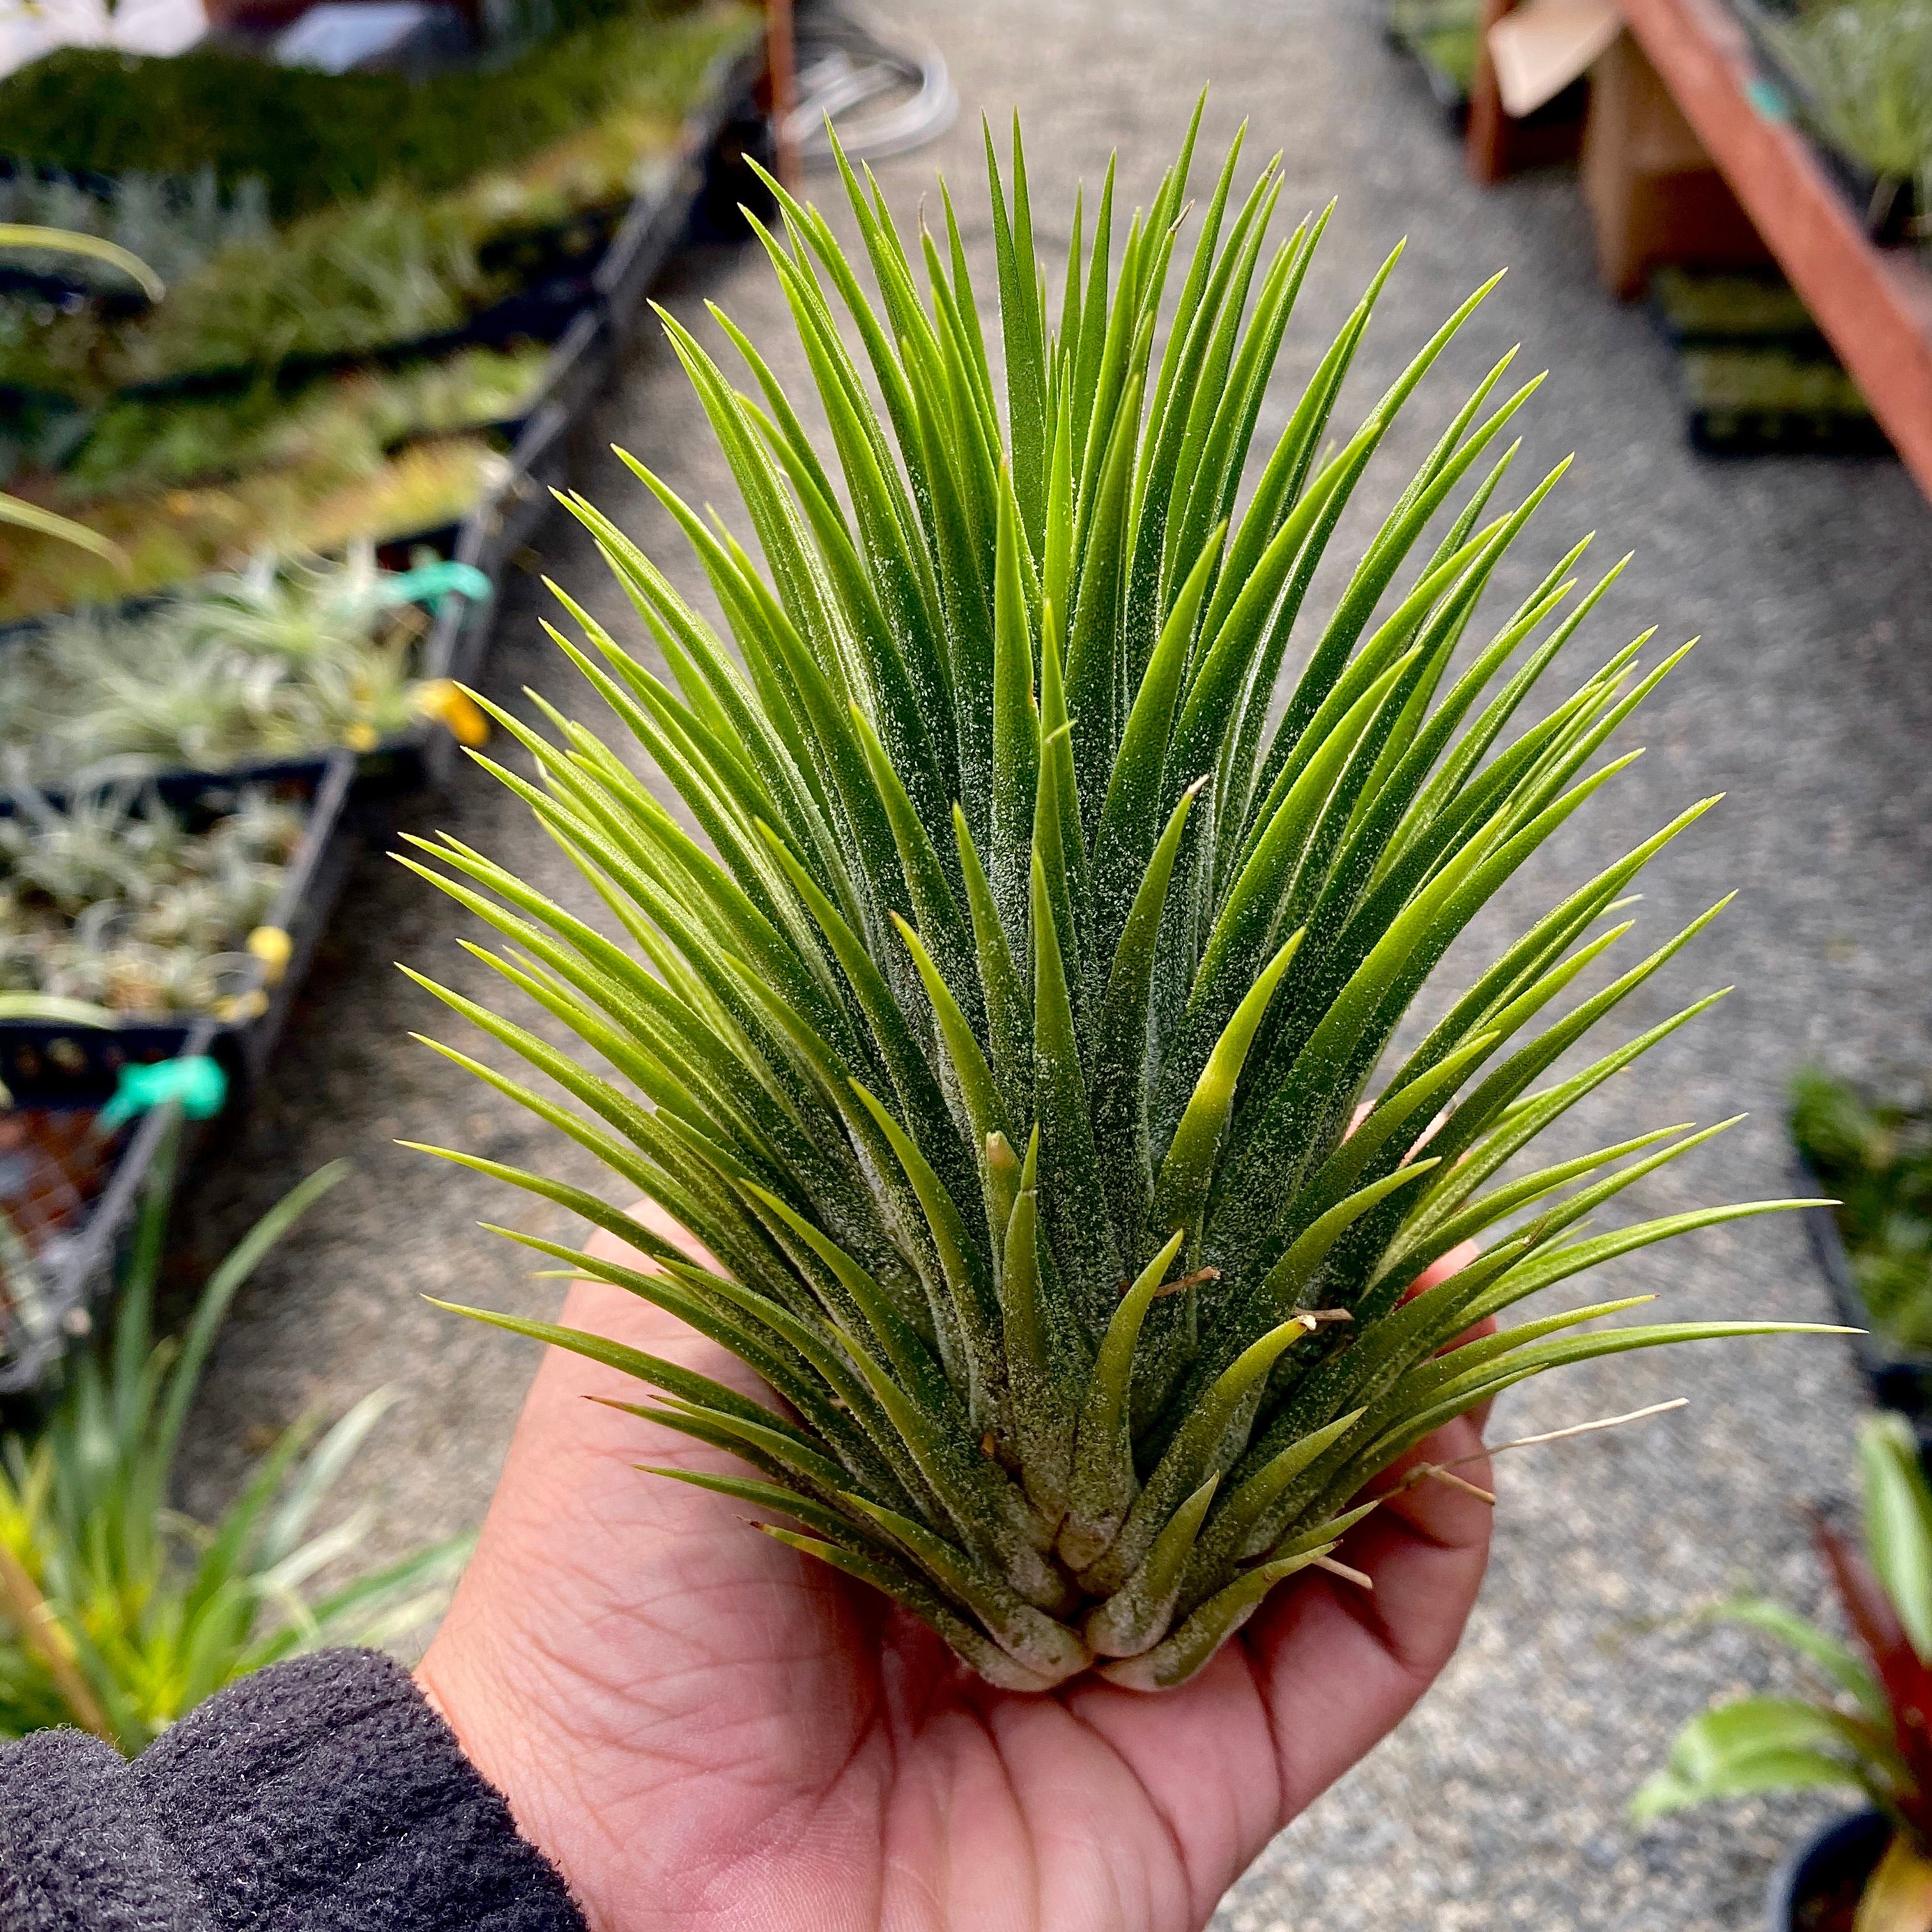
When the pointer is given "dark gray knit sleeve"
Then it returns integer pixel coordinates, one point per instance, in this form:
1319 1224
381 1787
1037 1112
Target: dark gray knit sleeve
319 1795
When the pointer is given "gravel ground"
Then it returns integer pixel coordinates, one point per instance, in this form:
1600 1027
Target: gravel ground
1501 1802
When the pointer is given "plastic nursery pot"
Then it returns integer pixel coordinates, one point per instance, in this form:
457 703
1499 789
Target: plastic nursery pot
1899 1379
1817 1888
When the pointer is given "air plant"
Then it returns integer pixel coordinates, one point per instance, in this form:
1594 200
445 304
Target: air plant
1867 1730
114 900
1002 1039
1867 66
283 657
1877 1158
117 1613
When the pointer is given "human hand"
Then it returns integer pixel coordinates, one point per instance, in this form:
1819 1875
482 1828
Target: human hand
702 1728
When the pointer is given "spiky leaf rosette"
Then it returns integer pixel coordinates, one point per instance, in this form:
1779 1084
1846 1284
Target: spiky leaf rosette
1001 1033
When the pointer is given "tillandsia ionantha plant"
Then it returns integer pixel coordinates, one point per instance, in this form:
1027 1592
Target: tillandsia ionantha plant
117 1613
288 656
114 900
1002 1040
1871 1729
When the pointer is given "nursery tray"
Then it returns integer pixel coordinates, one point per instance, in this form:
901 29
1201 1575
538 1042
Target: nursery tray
402 762
1733 432
45 1064
1727 308
1885 205
457 644
1899 1380
73 1264
637 237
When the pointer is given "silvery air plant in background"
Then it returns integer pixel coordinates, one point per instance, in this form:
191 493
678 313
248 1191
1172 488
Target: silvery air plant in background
288 656
116 900
1001 1035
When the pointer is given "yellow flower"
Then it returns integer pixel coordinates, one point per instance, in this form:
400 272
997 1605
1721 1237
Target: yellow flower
453 707
271 946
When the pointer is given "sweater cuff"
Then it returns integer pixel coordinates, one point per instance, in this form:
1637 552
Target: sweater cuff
323 1795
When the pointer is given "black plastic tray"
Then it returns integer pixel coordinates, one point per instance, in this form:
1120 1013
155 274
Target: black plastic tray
46 1064
1784 432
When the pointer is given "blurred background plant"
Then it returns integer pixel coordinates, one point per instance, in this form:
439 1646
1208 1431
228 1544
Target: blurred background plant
1865 1728
1876 1158
172 223
118 1612
1867 65
278 660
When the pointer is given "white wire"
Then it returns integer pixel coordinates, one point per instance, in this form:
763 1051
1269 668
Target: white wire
848 57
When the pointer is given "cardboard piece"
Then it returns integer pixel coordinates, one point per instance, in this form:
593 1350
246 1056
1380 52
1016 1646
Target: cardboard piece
1653 194
1538 49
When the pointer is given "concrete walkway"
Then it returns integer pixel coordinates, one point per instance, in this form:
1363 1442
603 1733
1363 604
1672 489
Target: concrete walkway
1809 702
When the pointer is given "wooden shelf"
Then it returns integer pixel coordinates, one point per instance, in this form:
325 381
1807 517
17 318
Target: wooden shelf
1874 304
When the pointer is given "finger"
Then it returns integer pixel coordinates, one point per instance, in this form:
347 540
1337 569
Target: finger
602 1308
1338 1665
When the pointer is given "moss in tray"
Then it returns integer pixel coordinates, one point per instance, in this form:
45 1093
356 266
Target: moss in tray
398 264
1695 304
1876 1157
314 138
1765 379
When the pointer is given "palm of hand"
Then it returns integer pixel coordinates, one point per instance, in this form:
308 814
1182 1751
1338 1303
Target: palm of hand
702 1728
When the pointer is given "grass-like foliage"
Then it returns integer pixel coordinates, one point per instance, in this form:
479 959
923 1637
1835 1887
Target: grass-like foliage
309 138
117 1614
1001 1037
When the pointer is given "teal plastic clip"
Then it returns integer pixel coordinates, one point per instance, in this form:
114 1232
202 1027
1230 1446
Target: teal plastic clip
430 583
197 1081
1768 99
